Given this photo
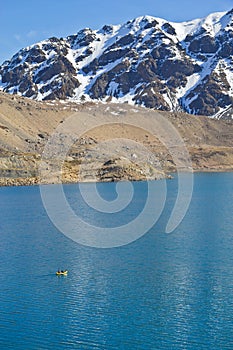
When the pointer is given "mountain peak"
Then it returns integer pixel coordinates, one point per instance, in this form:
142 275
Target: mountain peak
146 61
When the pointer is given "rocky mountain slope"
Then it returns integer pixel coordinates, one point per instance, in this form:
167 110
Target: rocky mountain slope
107 153
147 61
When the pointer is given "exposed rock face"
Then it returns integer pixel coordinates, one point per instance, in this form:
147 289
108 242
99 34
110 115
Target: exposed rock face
147 61
209 95
46 71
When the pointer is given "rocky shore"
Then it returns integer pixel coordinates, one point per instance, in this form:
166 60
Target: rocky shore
112 151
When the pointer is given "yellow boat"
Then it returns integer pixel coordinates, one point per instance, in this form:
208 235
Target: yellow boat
60 273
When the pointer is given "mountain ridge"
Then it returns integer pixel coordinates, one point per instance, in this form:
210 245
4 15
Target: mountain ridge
146 61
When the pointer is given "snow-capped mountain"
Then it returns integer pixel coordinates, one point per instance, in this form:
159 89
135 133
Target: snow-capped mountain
147 61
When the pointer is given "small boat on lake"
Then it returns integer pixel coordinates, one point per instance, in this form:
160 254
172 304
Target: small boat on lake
61 273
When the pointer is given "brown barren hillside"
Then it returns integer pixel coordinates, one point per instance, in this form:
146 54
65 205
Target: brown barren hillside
104 142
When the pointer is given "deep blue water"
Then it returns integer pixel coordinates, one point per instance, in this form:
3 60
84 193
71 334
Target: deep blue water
163 291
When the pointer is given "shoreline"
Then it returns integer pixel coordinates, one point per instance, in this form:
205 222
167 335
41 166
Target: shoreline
116 148
20 182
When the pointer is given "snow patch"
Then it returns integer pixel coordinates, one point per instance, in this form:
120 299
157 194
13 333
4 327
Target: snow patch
192 80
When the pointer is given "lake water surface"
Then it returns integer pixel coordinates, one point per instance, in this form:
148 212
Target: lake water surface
163 291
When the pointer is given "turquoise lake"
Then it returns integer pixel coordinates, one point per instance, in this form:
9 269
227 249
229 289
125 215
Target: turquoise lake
162 291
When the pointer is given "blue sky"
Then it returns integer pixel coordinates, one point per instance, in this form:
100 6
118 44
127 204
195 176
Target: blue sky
24 22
